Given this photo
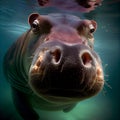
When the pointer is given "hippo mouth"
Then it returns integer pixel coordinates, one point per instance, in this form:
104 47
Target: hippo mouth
74 89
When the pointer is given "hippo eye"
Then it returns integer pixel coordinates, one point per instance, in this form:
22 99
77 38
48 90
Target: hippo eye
92 29
42 26
35 24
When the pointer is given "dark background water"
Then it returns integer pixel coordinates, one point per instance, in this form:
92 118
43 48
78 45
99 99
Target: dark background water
104 106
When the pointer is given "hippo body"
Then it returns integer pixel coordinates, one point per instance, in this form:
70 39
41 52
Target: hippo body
53 65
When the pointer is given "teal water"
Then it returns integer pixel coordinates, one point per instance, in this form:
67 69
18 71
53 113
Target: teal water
104 106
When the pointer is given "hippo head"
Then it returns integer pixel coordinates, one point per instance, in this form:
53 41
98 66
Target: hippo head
65 67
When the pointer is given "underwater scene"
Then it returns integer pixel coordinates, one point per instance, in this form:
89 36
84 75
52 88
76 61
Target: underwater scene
103 106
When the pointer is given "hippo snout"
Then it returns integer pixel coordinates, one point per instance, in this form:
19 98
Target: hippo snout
69 55
64 70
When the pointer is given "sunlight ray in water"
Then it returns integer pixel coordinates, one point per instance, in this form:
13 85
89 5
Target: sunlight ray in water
15 28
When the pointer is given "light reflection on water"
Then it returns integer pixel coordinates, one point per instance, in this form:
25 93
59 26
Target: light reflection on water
13 22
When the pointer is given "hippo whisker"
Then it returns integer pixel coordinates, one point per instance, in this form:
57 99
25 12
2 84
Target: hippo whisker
104 91
106 75
108 85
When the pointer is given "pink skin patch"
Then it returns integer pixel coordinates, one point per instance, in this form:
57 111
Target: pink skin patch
71 5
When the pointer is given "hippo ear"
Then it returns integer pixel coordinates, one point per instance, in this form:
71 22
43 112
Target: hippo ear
94 24
33 17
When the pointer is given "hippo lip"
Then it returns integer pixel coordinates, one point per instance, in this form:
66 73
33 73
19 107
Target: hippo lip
62 92
83 92
74 93
54 94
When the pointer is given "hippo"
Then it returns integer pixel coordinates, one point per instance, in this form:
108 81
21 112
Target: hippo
71 5
53 65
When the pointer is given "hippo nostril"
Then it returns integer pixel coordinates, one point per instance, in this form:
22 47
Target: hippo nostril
56 54
86 59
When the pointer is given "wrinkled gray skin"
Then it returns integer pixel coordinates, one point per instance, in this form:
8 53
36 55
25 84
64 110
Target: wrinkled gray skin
53 66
